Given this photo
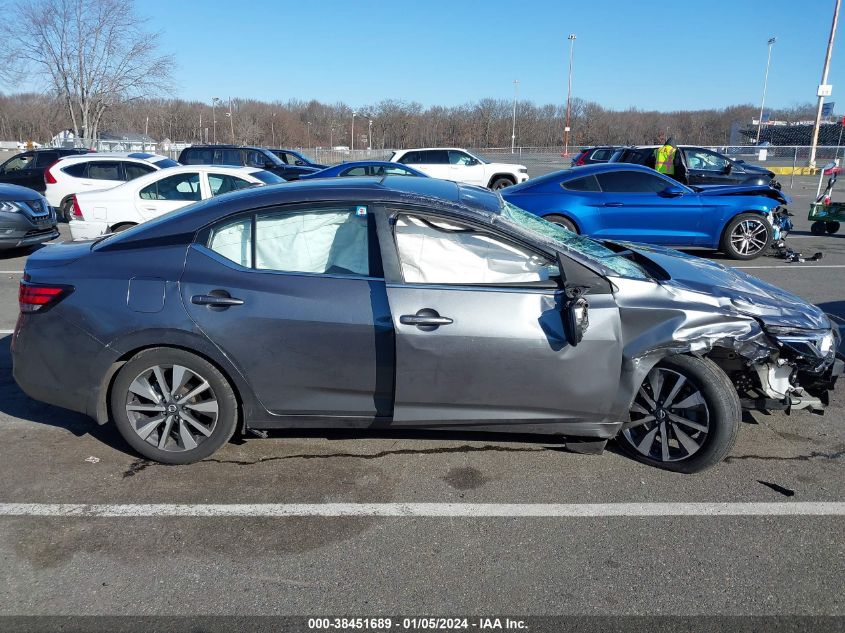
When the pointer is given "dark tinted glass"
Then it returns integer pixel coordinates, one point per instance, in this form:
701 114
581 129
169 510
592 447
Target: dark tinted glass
104 170
45 159
198 156
411 158
133 170
355 171
587 183
436 157
631 182
228 157
77 170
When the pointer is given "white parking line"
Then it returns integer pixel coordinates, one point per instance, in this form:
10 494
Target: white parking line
469 510
796 266
2 332
11 272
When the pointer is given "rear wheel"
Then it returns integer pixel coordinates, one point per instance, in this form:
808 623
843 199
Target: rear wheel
747 236
117 228
818 228
501 183
684 418
566 223
831 227
173 406
66 210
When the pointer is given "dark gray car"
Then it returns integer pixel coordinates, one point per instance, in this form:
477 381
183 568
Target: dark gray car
400 303
25 218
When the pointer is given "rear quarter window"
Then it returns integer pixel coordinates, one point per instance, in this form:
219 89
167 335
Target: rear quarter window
77 170
587 183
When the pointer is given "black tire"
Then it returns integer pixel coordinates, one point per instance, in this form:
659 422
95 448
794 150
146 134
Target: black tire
831 227
501 183
562 221
818 228
718 417
759 230
173 448
66 210
122 227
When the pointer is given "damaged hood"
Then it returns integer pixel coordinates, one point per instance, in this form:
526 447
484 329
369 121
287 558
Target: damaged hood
742 190
739 291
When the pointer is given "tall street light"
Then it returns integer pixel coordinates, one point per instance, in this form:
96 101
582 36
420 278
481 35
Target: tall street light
273 128
352 145
571 39
823 87
765 85
370 134
231 120
513 126
309 134
214 101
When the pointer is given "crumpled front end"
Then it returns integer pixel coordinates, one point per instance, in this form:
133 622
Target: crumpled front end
773 362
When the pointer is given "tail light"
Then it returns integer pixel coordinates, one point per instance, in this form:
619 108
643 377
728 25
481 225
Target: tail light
581 158
49 178
40 297
77 212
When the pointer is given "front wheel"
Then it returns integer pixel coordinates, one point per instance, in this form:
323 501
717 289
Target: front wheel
818 228
173 406
566 223
685 416
500 183
747 236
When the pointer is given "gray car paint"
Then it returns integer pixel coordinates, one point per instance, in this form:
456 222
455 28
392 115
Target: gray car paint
35 224
491 371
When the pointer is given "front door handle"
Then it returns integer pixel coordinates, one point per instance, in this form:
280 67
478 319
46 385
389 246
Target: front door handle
217 301
612 204
425 319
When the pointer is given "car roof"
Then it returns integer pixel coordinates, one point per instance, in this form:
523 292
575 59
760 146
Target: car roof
456 199
140 156
576 172
425 149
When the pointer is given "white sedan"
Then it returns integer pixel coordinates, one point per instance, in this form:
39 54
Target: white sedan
96 213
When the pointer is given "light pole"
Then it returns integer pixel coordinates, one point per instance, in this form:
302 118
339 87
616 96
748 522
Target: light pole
513 127
765 85
370 135
214 101
231 120
812 161
352 146
308 134
571 39
273 128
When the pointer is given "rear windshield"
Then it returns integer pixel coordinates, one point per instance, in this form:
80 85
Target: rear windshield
267 177
165 163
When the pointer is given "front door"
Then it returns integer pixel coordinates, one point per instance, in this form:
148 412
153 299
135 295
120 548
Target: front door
296 298
479 334
20 170
707 168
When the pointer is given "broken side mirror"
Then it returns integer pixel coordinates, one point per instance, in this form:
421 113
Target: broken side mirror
727 168
577 319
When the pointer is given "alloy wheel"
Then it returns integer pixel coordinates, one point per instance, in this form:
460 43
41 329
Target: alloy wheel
749 236
172 407
670 420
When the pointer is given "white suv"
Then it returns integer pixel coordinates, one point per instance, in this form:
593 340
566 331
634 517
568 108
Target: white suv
95 171
452 163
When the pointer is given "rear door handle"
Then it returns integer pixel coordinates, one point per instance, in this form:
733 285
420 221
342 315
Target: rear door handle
413 319
612 204
216 301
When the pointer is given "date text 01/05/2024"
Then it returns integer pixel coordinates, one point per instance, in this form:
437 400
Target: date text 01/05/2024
416 624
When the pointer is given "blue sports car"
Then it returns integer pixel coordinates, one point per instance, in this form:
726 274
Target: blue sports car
376 168
632 202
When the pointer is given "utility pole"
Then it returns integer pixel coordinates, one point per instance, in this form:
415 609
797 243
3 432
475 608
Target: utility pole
370 135
812 161
352 146
273 128
571 39
231 121
214 101
765 85
513 126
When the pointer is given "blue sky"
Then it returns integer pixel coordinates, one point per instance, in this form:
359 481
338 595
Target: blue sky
635 53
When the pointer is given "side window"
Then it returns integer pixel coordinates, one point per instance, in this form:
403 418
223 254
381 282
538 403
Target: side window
397 171
199 156
355 171
703 159
435 157
133 170
228 157
603 154
233 240
459 158
224 183
181 187
77 170
24 161
411 158
104 170
631 182
253 158
588 183
45 159
435 251
336 241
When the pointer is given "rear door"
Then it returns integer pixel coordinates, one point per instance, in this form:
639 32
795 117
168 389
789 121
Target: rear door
101 174
434 162
631 207
705 167
168 194
479 332
300 308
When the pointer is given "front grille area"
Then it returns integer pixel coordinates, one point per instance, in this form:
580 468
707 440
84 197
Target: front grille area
37 208
38 232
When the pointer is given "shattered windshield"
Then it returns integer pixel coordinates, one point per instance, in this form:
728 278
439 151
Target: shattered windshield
616 263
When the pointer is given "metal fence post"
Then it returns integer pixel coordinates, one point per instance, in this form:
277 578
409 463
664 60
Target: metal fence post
794 162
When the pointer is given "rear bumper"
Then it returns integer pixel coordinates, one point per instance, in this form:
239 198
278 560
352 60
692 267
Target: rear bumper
87 230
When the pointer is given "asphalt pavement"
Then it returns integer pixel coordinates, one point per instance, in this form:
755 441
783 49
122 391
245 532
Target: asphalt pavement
610 562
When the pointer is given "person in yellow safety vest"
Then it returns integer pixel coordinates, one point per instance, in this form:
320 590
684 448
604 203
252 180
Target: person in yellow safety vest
667 161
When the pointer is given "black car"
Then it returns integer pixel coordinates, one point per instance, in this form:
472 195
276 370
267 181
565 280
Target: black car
27 168
290 157
592 155
703 166
25 218
243 156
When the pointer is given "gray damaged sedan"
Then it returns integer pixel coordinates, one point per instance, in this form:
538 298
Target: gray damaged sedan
400 303
25 218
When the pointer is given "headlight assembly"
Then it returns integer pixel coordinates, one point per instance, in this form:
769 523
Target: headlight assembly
10 207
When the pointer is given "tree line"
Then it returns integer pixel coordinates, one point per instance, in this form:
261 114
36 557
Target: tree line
295 123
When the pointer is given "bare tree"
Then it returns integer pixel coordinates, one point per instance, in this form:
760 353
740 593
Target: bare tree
94 54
